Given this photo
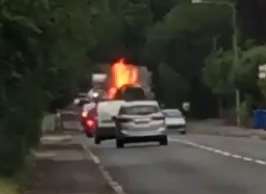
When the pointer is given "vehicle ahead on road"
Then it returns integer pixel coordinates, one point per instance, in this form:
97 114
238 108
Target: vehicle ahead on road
105 125
140 121
175 120
130 92
81 100
88 119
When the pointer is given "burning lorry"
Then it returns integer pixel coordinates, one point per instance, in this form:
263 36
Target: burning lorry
122 81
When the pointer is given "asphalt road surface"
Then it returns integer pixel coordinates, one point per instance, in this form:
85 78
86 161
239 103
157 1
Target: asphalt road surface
191 164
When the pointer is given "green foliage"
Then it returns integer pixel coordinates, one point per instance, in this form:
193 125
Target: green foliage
173 86
183 39
217 73
161 8
8 186
222 77
262 86
43 53
247 73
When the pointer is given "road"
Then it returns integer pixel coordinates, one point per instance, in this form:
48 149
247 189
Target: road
190 164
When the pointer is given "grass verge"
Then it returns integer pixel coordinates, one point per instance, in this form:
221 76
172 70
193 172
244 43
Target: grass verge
18 183
9 186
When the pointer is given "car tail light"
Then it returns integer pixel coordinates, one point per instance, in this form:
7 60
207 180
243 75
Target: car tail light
90 123
158 118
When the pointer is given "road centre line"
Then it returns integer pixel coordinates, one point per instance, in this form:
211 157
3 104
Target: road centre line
218 151
260 162
248 159
236 156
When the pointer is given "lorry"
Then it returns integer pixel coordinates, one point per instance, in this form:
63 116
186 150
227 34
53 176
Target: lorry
122 82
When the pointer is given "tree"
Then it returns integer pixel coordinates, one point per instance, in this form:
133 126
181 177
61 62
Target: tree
183 39
218 75
247 73
43 52
173 86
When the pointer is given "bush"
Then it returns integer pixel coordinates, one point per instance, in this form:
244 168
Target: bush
20 126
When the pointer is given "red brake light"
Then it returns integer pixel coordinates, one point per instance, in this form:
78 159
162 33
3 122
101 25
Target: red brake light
90 123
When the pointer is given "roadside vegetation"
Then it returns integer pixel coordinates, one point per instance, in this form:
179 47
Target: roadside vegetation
49 47
8 186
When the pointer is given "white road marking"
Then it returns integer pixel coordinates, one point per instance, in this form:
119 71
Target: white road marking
95 159
261 162
218 151
226 154
114 185
247 159
236 156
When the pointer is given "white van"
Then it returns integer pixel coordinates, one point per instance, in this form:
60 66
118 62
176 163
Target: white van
105 125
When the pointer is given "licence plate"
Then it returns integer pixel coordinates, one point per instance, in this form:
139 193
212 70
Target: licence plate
142 121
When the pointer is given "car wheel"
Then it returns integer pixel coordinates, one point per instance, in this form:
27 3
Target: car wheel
97 140
164 141
119 144
89 135
183 132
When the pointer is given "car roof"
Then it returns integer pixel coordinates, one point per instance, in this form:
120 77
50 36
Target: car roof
107 102
111 104
111 107
141 103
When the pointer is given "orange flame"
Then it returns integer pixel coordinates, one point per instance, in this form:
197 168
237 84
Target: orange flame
122 74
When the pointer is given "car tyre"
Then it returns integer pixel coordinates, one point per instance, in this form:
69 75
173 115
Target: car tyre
89 135
164 141
183 132
97 140
119 144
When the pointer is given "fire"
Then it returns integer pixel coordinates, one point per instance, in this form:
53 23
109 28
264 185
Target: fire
122 74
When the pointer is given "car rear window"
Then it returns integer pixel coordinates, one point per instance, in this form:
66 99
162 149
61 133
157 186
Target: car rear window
172 114
139 110
130 93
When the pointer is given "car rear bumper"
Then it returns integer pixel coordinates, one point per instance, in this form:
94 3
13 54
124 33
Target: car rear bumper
176 127
139 136
88 131
105 132
138 139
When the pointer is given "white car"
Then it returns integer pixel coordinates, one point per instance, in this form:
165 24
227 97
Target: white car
175 120
140 121
105 124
